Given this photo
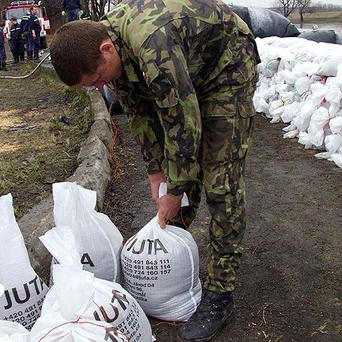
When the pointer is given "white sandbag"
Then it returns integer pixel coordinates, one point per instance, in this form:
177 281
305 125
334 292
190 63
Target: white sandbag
270 93
271 67
334 95
275 105
289 77
24 292
260 105
86 297
98 240
319 119
303 85
323 155
339 75
337 159
336 125
291 134
13 332
290 111
319 91
334 110
287 97
329 67
304 139
309 68
161 270
302 121
333 142
289 128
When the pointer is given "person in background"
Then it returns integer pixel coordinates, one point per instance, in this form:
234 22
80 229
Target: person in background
16 41
72 8
24 32
2 50
33 35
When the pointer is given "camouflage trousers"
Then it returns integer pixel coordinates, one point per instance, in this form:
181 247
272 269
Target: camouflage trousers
225 143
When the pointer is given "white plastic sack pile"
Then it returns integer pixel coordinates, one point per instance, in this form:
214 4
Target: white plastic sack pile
98 240
77 296
300 83
24 292
161 270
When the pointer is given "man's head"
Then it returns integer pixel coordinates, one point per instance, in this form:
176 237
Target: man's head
83 54
13 20
33 10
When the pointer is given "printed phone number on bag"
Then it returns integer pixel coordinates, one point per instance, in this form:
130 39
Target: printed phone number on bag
27 317
146 267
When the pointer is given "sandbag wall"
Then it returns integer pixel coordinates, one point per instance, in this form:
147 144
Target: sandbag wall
300 83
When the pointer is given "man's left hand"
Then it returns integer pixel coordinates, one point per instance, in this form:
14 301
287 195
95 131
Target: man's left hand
169 206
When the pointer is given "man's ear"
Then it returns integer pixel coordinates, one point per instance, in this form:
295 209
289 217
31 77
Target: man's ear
107 47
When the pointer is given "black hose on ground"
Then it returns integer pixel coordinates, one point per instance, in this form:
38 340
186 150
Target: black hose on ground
28 75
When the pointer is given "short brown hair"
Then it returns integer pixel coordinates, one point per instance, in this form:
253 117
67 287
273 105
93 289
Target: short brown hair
75 49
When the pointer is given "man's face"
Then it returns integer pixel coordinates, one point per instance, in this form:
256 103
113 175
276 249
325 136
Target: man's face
33 11
110 67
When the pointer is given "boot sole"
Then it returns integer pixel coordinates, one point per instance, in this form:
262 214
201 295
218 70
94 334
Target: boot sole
206 339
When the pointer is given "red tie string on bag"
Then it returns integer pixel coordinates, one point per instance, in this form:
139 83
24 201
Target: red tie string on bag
110 329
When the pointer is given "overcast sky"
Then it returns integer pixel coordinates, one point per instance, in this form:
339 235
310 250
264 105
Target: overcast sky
270 3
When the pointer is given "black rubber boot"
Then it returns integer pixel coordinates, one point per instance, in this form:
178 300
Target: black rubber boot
210 317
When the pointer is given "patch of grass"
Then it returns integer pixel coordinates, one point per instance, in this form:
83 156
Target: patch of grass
31 160
55 125
318 18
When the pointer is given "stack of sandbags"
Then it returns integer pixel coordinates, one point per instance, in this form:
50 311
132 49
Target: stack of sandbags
300 83
23 291
84 306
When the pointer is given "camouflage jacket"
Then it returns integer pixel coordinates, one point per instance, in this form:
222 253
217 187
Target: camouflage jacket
174 53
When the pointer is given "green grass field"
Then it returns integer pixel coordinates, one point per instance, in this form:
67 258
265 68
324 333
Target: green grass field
318 18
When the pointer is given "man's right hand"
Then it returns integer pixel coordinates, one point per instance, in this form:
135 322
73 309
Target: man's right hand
155 180
63 13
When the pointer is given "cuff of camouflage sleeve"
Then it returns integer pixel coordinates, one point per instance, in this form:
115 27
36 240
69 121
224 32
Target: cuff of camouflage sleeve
178 189
153 167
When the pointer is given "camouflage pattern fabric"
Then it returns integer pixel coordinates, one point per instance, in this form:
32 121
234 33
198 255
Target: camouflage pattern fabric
187 87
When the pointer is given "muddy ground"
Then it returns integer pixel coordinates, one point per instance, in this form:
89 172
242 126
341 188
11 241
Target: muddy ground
290 280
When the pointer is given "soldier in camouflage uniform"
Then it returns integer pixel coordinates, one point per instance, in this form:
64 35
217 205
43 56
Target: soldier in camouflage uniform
185 73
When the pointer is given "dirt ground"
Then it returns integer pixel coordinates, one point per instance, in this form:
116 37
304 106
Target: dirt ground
290 278
37 147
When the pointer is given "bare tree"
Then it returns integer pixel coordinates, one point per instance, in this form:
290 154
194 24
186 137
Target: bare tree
286 7
302 6
98 8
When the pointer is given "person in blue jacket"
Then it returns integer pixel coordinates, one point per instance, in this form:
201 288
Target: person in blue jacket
34 29
16 41
73 9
